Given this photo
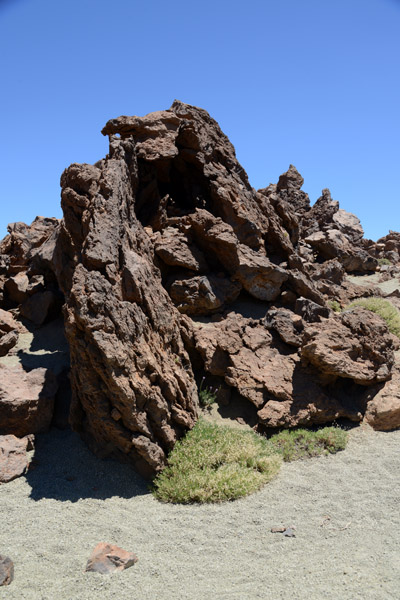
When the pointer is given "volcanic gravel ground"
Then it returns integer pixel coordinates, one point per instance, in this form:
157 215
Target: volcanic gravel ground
344 508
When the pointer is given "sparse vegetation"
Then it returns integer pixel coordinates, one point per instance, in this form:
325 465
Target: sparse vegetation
383 261
207 395
334 305
303 443
216 463
384 309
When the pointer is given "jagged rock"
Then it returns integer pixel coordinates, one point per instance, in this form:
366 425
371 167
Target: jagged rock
17 287
24 239
6 570
13 458
288 325
37 308
349 224
26 400
383 404
354 344
203 295
165 235
311 311
107 558
8 341
175 249
7 321
285 393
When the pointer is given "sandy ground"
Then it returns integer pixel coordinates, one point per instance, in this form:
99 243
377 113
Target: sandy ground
345 509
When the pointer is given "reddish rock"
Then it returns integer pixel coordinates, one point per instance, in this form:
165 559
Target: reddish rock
108 558
8 341
37 308
17 287
7 321
6 570
355 344
13 457
26 400
203 295
173 267
383 404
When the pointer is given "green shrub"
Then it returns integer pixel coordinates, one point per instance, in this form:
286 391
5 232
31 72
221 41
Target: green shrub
207 395
383 261
384 309
334 305
214 463
303 443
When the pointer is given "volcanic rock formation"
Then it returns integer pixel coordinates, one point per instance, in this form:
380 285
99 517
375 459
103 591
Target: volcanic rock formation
172 268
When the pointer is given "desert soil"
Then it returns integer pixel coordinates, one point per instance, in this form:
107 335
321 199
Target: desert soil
344 507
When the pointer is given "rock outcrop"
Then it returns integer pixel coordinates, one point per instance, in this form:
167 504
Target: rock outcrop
171 268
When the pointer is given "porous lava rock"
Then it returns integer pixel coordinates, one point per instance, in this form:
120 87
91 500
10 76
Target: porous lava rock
161 241
26 400
108 558
354 344
14 460
173 268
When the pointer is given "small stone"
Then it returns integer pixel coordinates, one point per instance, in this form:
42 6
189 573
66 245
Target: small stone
6 570
107 558
289 532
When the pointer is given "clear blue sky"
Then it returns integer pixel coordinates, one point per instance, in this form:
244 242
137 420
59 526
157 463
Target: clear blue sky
315 83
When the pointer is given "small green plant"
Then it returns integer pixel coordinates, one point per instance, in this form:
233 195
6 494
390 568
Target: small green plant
334 305
384 309
214 463
383 261
295 444
207 395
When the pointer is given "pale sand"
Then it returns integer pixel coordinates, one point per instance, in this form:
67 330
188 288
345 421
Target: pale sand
346 510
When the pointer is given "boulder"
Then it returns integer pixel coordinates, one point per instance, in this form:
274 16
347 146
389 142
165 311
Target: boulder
8 341
288 325
108 558
383 404
204 294
26 400
13 457
7 321
38 307
354 344
172 268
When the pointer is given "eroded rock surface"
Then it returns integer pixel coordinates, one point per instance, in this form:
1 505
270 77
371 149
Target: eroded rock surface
173 268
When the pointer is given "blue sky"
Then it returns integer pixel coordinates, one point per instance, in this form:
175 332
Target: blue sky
315 83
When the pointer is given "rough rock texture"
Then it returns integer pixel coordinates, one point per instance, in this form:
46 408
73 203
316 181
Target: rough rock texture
26 400
13 457
383 405
173 268
6 570
108 558
354 344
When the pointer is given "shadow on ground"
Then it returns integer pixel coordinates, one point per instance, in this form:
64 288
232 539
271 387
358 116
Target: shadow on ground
64 469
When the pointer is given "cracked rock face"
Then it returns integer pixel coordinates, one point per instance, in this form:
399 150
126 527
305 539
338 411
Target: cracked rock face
173 270
168 225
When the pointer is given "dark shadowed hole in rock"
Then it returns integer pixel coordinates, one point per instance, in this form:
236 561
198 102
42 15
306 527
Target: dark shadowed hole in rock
180 184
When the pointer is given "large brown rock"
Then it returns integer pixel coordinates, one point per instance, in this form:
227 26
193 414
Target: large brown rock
13 457
26 400
268 375
383 404
355 344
